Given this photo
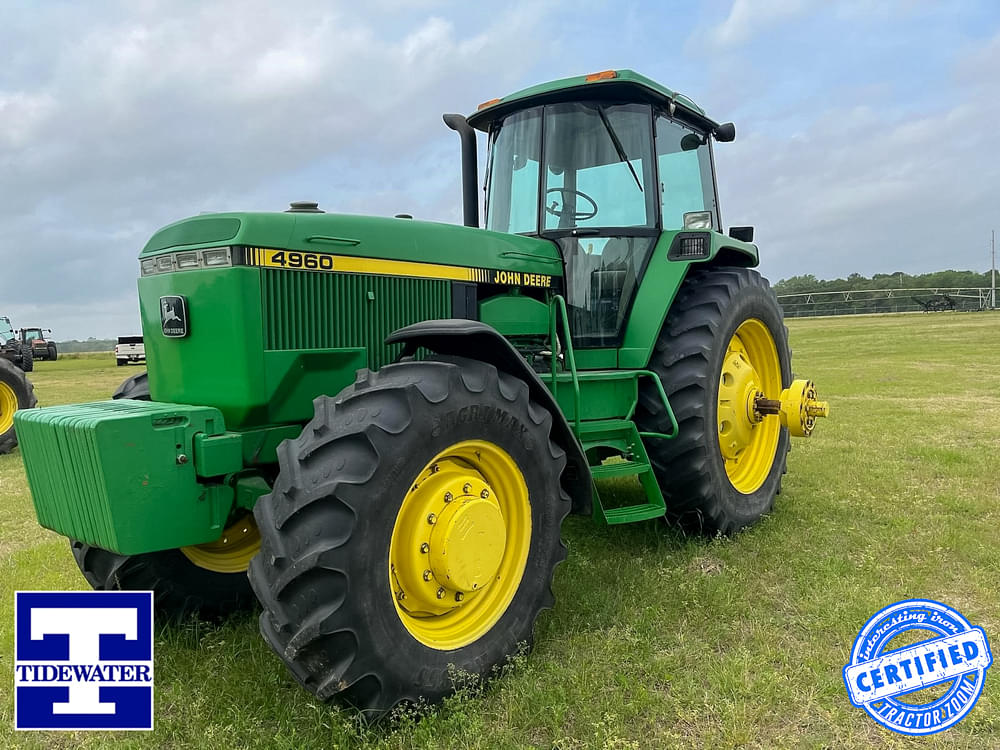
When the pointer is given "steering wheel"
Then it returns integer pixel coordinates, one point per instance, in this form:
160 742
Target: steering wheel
575 216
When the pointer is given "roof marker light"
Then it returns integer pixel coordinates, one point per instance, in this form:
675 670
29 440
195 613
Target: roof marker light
604 75
490 103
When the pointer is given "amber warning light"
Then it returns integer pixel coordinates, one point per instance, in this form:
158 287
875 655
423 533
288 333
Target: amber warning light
604 75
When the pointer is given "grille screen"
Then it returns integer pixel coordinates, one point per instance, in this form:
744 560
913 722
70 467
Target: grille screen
306 310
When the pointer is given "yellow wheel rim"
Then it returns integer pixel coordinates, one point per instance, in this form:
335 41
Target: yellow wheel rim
230 553
460 544
747 440
8 405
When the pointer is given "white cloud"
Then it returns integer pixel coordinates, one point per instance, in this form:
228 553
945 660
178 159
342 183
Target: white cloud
747 18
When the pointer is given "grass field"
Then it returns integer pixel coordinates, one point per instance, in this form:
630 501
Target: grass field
657 640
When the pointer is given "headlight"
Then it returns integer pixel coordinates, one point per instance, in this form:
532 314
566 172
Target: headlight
187 260
218 256
698 220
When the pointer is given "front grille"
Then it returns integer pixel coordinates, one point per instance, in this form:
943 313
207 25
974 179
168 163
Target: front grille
309 310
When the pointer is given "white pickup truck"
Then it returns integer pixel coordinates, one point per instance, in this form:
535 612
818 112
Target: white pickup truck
129 349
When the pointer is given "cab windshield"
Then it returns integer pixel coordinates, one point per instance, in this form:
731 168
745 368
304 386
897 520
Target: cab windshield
598 161
583 175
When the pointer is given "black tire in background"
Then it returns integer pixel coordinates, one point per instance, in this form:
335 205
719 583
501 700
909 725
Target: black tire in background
53 352
136 387
22 391
180 587
322 574
688 355
27 358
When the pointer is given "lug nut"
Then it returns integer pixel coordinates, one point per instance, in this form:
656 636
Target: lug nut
427 575
466 488
440 593
401 595
182 458
431 518
434 468
459 596
425 547
484 494
448 497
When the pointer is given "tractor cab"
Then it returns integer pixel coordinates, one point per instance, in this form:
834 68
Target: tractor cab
6 330
602 169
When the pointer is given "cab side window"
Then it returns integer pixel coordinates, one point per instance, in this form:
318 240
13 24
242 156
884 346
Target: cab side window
685 170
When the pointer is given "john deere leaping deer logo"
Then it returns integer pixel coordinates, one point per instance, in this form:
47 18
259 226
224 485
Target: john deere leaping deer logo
173 316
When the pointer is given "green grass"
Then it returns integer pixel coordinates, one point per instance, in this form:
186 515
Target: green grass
657 640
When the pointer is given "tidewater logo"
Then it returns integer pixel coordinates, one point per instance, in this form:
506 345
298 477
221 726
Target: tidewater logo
83 660
876 678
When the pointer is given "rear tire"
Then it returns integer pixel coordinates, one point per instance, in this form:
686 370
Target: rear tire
16 392
689 357
53 353
335 604
180 587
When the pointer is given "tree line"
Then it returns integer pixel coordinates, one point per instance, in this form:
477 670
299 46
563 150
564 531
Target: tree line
895 280
869 295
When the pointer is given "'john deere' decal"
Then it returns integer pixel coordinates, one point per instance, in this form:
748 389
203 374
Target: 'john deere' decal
174 317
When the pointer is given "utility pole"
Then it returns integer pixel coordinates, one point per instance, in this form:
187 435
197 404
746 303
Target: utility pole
993 269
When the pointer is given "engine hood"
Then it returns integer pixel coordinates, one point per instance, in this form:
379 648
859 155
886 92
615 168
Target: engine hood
362 237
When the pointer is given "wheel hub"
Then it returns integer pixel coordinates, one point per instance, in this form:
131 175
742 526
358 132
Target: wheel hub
467 544
461 541
738 390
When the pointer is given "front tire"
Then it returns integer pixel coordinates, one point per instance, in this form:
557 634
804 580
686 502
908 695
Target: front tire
27 358
209 580
723 340
413 530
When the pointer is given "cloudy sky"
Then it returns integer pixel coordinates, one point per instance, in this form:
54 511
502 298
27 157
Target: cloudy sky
867 131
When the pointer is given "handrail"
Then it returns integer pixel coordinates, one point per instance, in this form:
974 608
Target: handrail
558 305
674 427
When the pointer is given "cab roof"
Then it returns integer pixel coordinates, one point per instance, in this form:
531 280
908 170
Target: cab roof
613 85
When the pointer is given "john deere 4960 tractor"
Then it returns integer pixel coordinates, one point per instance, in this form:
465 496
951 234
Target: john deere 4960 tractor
385 421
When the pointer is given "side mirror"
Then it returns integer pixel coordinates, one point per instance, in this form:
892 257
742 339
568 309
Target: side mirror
743 234
725 133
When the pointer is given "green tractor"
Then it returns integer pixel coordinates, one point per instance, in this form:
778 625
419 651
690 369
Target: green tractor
408 410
